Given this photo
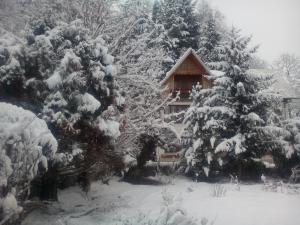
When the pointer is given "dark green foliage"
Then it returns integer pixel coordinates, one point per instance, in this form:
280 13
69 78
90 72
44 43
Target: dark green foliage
234 122
66 78
210 40
180 22
156 11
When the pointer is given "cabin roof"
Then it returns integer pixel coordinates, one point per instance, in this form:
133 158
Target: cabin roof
189 52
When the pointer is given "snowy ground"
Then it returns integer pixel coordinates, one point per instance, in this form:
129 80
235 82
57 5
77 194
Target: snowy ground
120 202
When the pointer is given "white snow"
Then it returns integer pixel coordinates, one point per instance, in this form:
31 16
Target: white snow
236 143
281 85
206 171
25 144
16 121
217 73
212 141
54 81
110 69
9 204
109 127
88 103
197 144
124 204
120 100
240 89
70 60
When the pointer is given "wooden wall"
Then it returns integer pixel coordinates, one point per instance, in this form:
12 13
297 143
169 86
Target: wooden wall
188 74
191 67
186 81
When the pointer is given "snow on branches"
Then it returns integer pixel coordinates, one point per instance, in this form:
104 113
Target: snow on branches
237 112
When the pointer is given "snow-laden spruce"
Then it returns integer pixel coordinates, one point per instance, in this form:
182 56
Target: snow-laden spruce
66 77
210 35
26 147
233 123
179 20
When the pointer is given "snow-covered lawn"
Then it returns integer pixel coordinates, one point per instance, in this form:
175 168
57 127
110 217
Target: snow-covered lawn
121 203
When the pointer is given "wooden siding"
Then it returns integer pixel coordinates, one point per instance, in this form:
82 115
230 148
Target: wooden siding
185 82
187 74
191 67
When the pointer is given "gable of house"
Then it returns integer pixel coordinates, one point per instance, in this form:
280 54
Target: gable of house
186 73
190 66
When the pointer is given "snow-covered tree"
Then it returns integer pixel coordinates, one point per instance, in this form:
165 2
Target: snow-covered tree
293 137
257 63
210 40
95 14
289 67
27 147
156 11
66 78
181 25
288 63
233 123
171 213
212 32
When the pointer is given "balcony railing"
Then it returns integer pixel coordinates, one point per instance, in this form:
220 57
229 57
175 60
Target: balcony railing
184 94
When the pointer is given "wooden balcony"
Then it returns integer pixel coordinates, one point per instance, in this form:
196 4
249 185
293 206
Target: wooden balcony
184 94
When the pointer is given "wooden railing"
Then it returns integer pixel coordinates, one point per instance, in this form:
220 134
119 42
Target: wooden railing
184 93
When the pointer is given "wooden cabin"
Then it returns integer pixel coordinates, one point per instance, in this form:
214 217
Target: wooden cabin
187 72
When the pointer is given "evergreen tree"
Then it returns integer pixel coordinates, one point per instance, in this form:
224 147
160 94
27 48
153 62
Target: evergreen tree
210 40
293 136
187 12
66 78
156 11
180 22
232 124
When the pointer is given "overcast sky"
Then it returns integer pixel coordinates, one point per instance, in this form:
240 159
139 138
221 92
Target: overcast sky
275 24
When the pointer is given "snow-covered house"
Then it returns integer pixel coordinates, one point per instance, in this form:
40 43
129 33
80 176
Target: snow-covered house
187 72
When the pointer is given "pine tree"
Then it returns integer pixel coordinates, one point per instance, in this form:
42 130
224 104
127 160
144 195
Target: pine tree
210 40
180 23
156 11
232 123
66 78
188 14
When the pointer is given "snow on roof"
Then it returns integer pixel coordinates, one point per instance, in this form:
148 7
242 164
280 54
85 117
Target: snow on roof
181 60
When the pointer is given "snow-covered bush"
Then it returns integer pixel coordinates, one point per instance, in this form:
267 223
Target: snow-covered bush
293 137
26 148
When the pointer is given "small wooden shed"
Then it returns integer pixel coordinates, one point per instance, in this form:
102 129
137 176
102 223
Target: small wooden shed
187 72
